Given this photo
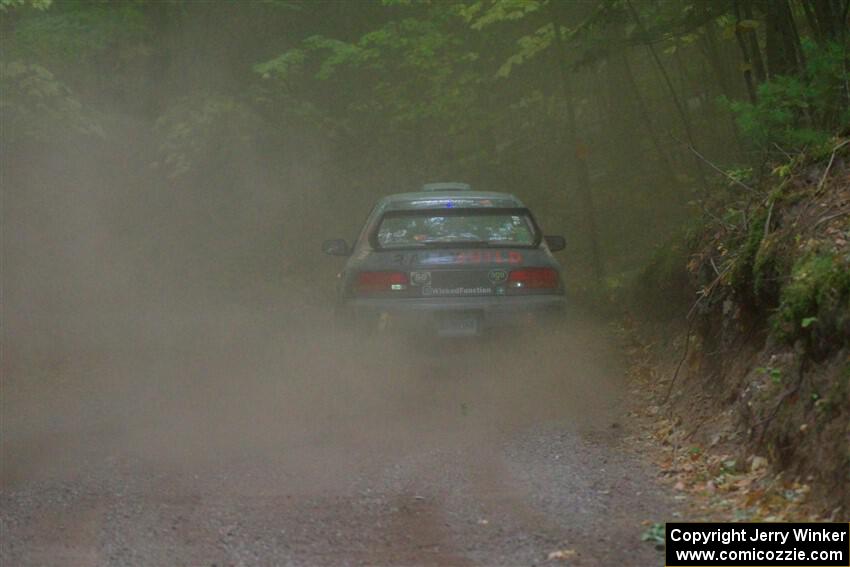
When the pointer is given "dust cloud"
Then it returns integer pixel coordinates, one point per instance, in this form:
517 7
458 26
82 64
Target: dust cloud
187 322
179 329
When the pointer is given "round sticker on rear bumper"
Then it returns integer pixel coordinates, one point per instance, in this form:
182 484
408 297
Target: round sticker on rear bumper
497 276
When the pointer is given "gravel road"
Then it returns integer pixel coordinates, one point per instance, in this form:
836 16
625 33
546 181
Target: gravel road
252 444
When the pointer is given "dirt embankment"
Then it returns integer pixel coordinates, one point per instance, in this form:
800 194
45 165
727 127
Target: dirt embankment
749 392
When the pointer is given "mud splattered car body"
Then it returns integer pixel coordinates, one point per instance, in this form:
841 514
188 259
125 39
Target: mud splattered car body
449 261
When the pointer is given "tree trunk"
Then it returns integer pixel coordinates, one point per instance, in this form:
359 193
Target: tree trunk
753 40
715 60
790 35
813 21
680 109
718 66
779 40
576 157
610 81
745 56
845 23
828 20
643 115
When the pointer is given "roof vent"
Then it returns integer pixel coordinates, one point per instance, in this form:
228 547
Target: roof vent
447 186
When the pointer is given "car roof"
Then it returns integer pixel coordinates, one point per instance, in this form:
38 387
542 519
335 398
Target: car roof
447 199
447 186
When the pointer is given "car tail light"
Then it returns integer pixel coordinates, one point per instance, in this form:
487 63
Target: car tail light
371 282
533 278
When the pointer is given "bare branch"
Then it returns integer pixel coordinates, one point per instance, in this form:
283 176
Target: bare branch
715 168
829 165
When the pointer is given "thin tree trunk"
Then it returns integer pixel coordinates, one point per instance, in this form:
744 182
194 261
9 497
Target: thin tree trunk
748 62
755 51
779 44
813 21
684 80
790 35
798 45
827 19
716 63
677 103
643 114
845 23
576 159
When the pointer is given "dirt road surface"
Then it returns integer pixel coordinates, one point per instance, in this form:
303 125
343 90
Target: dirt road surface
232 439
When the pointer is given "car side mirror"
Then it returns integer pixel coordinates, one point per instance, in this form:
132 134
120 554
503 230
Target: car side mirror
336 247
555 243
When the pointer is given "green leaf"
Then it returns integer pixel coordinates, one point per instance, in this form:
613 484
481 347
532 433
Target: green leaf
654 534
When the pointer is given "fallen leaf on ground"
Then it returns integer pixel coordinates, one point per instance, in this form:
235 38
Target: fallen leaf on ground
758 463
562 554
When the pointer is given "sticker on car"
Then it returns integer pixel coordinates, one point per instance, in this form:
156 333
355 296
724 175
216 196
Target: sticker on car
497 276
420 278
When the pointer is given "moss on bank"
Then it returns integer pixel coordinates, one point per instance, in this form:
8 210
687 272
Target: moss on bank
815 303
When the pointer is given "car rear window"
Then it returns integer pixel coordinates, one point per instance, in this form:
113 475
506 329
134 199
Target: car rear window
414 229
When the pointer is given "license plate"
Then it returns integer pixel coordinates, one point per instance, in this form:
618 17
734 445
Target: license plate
467 325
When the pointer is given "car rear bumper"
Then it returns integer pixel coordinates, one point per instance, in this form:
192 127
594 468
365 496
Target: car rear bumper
430 314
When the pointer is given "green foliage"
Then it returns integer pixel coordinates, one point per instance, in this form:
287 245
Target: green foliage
203 127
339 53
36 105
662 286
775 374
770 264
740 175
816 299
77 32
741 275
529 47
654 534
6 5
409 71
482 13
798 111
779 115
283 65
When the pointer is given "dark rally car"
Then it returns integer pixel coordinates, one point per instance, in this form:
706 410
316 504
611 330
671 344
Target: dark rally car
450 261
